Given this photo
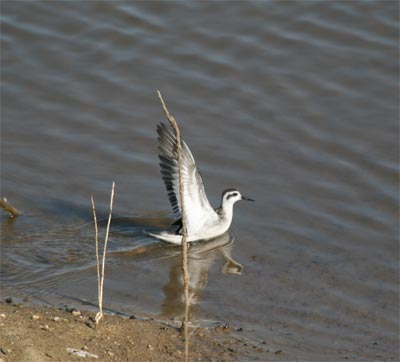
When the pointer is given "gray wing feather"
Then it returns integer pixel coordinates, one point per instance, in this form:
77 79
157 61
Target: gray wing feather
194 193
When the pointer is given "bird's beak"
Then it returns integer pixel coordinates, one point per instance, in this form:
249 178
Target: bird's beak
247 198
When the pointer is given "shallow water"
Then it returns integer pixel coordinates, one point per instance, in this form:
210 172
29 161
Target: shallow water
295 104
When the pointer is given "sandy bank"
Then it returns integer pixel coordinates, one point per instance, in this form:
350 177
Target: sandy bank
41 334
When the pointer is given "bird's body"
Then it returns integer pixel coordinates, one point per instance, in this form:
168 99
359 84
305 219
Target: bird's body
202 221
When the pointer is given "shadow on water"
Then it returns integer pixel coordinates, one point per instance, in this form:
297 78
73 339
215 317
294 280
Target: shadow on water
59 265
200 259
202 256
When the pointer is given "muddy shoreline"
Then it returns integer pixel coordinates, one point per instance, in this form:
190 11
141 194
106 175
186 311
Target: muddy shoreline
41 333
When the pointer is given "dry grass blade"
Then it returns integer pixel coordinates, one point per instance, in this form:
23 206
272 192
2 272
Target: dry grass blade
185 272
100 278
96 229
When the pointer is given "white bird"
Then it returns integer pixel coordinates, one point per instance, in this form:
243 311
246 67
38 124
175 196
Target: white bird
203 222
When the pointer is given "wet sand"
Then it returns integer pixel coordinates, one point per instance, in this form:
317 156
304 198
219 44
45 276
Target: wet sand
40 334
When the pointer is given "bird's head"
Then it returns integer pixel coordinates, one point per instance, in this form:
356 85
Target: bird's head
230 196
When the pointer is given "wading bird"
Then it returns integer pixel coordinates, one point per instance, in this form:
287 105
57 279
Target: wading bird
202 220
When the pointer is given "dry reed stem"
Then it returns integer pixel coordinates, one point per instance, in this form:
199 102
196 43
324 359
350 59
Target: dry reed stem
96 229
11 210
100 281
174 124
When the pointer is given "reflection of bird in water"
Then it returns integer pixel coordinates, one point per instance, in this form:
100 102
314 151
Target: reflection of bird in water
202 221
201 257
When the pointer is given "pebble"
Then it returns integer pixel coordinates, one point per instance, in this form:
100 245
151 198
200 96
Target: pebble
76 313
2 315
56 319
81 353
35 317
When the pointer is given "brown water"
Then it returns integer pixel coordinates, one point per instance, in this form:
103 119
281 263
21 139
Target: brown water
294 103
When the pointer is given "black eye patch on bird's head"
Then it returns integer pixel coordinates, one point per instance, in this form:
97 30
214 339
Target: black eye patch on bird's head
233 194
228 193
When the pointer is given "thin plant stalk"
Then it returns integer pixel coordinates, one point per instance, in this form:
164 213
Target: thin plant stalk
100 279
96 229
185 271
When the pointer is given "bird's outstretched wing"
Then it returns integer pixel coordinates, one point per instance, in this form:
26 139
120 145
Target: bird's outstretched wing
197 207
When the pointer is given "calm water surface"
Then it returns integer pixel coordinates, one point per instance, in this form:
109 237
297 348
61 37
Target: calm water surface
294 103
